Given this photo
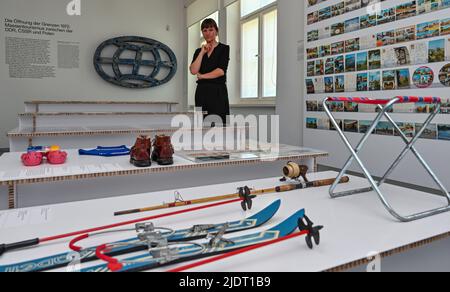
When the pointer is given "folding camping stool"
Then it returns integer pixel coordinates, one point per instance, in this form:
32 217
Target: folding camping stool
384 106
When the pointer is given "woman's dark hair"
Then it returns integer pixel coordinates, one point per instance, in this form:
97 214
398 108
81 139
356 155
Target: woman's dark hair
208 23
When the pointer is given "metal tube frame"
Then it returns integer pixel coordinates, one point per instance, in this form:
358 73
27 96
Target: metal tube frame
375 186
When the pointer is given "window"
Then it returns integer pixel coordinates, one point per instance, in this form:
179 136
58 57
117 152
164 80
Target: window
258 50
250 6
270 54
250 58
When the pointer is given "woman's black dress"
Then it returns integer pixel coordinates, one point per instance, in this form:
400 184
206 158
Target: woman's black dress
212 94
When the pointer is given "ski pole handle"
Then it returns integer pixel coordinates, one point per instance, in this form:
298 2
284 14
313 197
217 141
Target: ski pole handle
18 245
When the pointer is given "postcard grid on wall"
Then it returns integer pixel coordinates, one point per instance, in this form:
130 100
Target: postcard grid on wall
379 49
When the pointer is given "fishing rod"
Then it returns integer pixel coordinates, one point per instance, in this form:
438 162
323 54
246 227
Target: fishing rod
245 193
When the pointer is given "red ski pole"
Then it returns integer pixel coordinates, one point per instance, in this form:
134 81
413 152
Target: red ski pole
37 241
236 252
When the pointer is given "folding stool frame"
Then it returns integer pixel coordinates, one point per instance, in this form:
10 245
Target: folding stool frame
385 106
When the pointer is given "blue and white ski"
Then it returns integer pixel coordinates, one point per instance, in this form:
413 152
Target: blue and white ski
135 244
193 251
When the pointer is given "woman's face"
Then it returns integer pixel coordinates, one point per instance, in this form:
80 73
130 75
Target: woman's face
209 34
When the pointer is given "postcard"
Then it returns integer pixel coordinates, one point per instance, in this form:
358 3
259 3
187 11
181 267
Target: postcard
386 16
310 89
362 82
428 29
338 9
436 51
352 45
325 13
374 59
319 84
408 129
367 108
339 65
444 75
340 124
389 80
338 48
351 126
402 55
444 132
429 133
329 84
323 124
312 53
362 61
337 29
350 107
313 35
386 38
389 59
350 63
403 79
311 123
337 106
423 77
352 5
320 68
311 105
445 26
374 81
339 83
368 42
311 69
352 25
406 34
385 129
364 126
313 17
368 20
350 82
324 51
329 66
419 53
406 10
404 108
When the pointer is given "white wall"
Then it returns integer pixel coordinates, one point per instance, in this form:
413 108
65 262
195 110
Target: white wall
290 71
100 20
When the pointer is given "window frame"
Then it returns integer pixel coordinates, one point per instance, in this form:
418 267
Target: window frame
260 13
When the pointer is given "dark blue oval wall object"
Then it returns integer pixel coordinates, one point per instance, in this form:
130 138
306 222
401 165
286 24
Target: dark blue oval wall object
162 63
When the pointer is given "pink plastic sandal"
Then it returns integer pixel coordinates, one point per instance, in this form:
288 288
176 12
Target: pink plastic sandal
32 158
57 157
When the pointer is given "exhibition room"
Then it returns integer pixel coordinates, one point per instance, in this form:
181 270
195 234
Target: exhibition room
224 136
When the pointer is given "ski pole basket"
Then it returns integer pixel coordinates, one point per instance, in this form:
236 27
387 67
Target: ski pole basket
384 105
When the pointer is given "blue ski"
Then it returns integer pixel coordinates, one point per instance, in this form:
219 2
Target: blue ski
135 244
193 251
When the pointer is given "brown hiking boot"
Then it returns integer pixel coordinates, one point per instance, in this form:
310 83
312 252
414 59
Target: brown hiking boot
163 150
140 152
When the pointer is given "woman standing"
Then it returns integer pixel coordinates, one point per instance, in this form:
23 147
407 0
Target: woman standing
210 64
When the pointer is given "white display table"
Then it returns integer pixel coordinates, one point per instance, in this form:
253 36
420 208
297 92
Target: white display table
86 177
354 227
